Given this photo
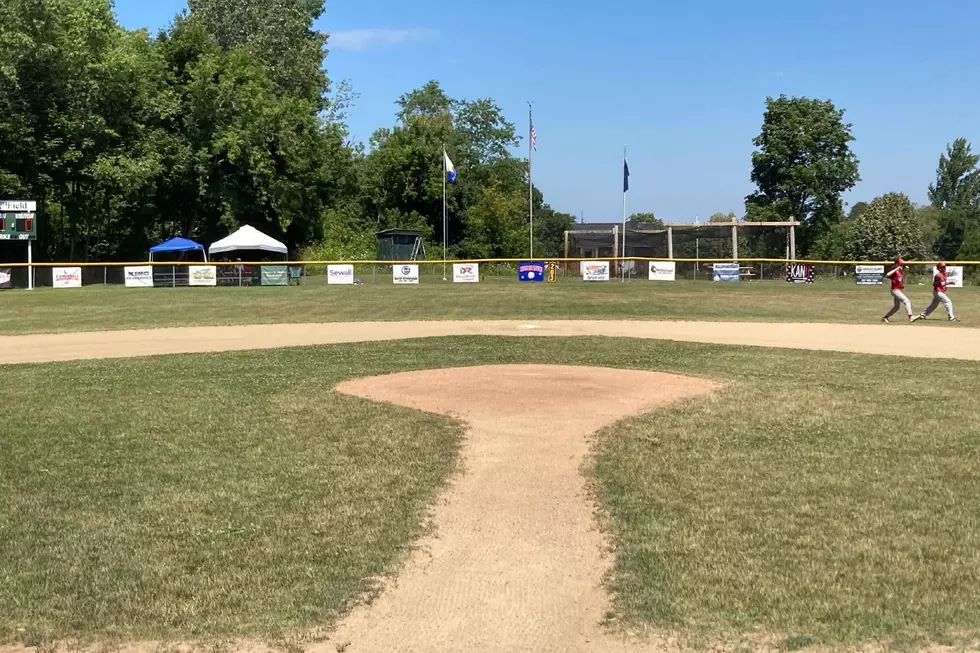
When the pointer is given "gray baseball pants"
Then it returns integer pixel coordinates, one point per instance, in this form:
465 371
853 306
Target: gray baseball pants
937 299
900 300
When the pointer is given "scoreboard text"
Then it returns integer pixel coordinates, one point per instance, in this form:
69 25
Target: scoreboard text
18 220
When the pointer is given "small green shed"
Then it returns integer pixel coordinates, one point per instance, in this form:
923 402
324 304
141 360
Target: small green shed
400 245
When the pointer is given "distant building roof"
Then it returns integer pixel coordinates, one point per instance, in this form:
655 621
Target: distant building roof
399 232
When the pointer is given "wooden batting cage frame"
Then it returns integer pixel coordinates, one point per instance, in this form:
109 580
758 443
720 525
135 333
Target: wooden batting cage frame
605 240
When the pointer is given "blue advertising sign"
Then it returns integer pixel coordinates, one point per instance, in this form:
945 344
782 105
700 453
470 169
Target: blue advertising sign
725 272
530 271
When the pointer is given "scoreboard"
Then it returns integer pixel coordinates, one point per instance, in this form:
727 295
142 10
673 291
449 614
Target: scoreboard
18 220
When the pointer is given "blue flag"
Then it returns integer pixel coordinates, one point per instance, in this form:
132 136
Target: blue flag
626 176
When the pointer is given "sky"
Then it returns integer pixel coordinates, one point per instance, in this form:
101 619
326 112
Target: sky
681 85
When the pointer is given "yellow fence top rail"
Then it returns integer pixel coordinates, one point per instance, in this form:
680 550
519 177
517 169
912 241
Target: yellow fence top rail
116 264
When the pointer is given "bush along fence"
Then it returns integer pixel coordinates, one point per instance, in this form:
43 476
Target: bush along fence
158 274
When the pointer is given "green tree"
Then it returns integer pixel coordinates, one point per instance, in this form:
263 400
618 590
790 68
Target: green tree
719 245
957 184
241 150
930 226
226 118
956 196
403 174
549 230
857 210
646 219
834 244
970 249
279 33
888 228
74 100
802 166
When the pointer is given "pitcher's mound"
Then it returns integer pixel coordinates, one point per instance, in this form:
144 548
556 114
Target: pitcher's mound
515 562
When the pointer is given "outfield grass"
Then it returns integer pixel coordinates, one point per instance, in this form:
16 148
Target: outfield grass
117 307
818 497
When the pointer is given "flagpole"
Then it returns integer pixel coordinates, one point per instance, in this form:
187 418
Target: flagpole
622 264
445 173
530 183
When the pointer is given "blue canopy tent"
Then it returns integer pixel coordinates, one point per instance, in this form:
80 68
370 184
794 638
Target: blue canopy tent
178 244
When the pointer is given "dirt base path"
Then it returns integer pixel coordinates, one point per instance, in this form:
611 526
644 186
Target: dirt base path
896 339
515 562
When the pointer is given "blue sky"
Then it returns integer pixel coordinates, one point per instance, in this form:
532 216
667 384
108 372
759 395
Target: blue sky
682 85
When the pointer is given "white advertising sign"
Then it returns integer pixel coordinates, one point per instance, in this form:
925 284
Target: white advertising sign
203 275
405 273
595 270
466 272
869 275
340 275
663 271
139 276
66 277
954 276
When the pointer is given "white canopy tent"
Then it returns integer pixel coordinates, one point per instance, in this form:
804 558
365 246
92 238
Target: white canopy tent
248 238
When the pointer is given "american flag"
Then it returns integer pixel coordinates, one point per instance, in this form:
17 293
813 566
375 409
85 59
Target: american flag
534 137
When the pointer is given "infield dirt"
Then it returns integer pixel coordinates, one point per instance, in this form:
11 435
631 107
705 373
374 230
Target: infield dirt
925 341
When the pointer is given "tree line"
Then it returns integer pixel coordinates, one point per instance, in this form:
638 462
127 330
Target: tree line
227 117
803 164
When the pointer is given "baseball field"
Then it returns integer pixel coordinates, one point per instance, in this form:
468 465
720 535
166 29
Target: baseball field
608 467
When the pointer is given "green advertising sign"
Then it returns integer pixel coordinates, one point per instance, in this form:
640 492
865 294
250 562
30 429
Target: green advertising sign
274 275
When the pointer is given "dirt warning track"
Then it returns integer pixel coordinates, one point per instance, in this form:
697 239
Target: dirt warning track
923 341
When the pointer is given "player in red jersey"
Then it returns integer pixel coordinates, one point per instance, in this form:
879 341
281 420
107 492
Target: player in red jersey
939 295
897 276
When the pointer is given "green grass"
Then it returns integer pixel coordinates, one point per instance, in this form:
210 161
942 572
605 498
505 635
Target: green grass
116 307
818 498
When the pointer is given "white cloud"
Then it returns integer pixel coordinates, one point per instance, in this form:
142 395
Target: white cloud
359 40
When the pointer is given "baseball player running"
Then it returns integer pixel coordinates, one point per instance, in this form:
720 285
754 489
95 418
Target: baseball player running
939 295
897 276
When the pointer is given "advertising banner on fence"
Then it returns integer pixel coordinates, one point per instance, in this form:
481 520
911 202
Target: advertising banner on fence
273 275
552 268
725 272
405 273
466 272
202 275
6 278
954 276
66 277
869 275
340 275
663 271
799 273
139 276
595 270
530 271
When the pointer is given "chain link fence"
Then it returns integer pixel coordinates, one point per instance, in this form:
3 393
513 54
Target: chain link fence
317 273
